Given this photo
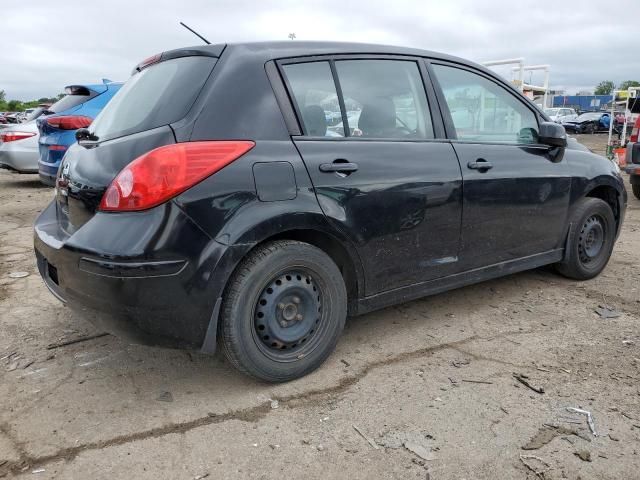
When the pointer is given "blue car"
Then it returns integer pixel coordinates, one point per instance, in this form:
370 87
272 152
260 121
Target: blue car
58 127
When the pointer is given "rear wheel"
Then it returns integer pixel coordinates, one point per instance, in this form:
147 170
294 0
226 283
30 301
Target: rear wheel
590 241
283 311
636 190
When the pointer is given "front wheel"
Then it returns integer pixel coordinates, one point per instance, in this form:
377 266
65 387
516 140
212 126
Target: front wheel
590 242
283 311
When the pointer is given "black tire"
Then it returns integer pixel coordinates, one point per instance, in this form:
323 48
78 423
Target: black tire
591 128
636 190
283 311
591 236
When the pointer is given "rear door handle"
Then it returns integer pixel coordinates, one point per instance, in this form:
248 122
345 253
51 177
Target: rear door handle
339 166
480 164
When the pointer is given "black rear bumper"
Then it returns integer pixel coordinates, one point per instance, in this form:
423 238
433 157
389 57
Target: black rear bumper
151 277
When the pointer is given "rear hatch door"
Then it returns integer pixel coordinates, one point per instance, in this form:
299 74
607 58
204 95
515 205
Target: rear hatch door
137 120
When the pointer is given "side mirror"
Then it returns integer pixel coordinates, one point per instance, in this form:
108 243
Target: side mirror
633 153
552 134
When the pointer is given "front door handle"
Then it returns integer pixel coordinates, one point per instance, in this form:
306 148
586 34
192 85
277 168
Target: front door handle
339 167
480 164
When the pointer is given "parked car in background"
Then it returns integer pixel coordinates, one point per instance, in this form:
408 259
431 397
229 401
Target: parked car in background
633 158
19 150
560 115
19 147
3 119
213 204
12 117
60 121
589 122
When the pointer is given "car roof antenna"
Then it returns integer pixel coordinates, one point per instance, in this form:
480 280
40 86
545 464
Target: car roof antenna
195 33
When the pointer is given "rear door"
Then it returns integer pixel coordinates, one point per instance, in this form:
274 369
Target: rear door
516 193
381 174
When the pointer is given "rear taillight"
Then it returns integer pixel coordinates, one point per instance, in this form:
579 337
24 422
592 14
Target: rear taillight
634 133
13 136
70 122
163 173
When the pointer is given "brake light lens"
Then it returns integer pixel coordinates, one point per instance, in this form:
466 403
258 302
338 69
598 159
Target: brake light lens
70 122
13 136
163 173
149 61
634 133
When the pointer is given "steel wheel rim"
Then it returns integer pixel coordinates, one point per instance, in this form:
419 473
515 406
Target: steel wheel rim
592 239
288 315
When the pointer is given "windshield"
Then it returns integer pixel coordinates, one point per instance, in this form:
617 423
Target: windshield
551 111
158 95
590 116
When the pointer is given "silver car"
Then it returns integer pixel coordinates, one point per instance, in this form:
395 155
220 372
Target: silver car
19 147
560 115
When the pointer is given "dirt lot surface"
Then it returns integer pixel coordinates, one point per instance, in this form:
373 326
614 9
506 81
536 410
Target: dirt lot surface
424 390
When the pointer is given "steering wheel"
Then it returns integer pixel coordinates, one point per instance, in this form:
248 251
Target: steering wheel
405 128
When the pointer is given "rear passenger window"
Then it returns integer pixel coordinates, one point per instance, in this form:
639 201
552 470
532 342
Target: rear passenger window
483 111
316 97
158 95
384 99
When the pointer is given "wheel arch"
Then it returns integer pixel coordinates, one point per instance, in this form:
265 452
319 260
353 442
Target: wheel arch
605 186
610 195
339 250
343 256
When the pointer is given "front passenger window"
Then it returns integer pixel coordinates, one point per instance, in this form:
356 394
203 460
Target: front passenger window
483 111
384 99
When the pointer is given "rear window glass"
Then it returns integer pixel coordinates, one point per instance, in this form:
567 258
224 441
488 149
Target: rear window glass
35 114
156 96
70 101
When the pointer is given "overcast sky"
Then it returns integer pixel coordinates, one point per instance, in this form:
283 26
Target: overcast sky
47 45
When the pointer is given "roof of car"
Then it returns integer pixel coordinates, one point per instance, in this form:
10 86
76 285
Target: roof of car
97 87
298 48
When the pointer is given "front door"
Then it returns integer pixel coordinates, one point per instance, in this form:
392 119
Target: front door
516 193
380 175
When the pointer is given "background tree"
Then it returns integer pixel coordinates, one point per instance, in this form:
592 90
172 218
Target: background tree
605 87
14 105
629 83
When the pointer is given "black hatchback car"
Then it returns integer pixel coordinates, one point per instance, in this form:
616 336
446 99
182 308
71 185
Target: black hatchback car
211 202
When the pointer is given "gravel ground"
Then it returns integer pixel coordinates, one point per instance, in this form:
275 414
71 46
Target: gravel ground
423 390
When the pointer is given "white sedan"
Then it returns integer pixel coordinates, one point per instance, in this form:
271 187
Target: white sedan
560 115
19 147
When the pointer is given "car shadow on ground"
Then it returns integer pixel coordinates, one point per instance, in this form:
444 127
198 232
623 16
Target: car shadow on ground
362 343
